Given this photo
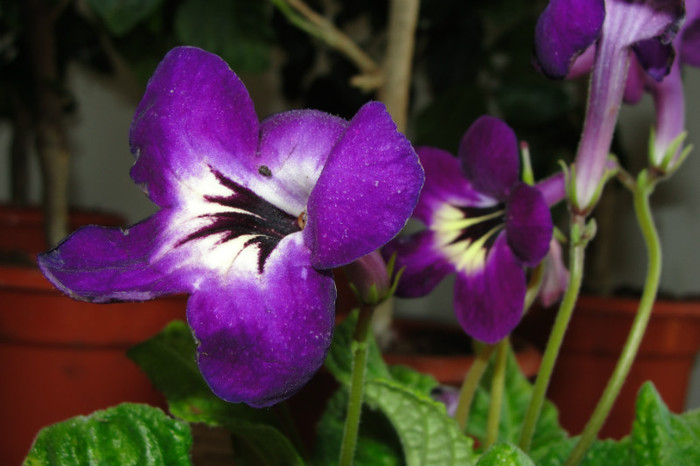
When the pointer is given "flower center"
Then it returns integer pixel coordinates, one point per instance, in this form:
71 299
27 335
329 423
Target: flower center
247 216
466 234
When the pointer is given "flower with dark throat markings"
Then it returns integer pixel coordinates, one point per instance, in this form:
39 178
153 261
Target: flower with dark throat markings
483 224
253 216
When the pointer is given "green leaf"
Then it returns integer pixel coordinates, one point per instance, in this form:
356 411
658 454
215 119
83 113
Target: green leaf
169 360
125 434
121 16
237 30
504 453
660 437
377 443
516 397
427 434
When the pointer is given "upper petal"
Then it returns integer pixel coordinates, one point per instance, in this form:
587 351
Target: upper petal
489 156
528 224
444 184
564 30
489 300
294 147
366 192
195 114
261 340
101 264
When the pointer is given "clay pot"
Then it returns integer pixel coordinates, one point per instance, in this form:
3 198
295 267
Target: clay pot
592 346
444 351
58 357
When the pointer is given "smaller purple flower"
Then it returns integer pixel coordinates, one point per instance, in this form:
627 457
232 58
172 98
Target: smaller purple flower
483 224
669 101
615 28
253 216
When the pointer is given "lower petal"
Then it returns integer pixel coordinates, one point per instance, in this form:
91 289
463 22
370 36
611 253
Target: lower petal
101 264
423 266
489 301
528 224
261 340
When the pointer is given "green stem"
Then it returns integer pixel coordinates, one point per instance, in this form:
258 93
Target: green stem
470 384
357 385
642 191
497 386
577 246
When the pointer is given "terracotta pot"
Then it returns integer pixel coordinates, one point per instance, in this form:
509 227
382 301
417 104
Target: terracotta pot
444 351
593 344
22 228
58 357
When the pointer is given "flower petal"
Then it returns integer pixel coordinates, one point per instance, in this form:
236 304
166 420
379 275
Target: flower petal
261 341
635 84
489 301
444 184
293 148
489 156
563 31
690 45
195 114
556 276
366 191
101 264
423 265
655 57
528 224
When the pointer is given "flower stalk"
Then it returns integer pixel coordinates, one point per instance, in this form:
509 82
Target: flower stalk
643 189
580 235
497 386
471 382
357 385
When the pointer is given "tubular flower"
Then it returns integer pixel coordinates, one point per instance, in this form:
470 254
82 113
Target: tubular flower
614 28
253 215
483 224
669 101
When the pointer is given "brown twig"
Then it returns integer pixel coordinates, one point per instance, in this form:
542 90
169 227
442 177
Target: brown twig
394 91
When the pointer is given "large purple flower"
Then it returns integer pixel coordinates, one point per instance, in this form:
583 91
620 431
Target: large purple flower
615 28
252 217
483 224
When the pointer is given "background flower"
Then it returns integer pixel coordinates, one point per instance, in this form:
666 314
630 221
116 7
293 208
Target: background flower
483 224
566 28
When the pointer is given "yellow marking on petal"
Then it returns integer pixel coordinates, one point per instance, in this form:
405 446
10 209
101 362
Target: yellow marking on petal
467 222
468 255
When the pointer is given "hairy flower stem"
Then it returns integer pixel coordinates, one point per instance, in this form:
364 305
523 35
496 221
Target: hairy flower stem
497 386
642 191
470 383
357 385
577 246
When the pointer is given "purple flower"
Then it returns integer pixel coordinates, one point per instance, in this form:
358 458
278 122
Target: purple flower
483 224
253 215
567 28
668 96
